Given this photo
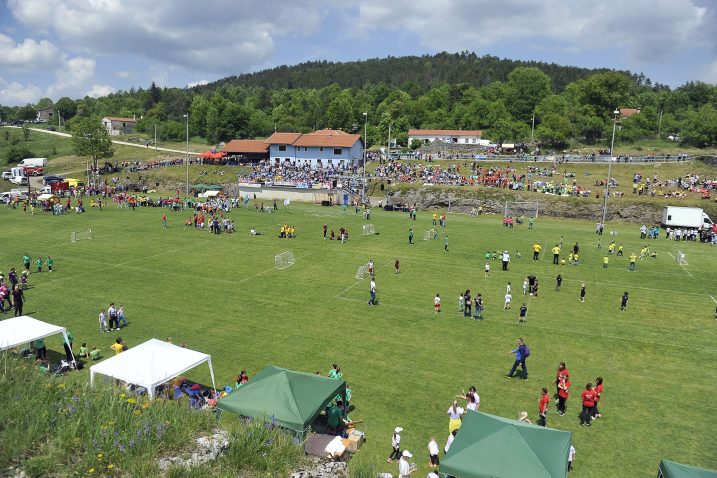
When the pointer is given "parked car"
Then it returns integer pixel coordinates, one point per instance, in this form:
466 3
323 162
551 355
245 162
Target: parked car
52 179
7 174
17 123
34 171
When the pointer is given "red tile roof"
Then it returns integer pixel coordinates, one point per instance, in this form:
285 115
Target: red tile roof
117 118
328 138
627 112
283 138
245 146
445 132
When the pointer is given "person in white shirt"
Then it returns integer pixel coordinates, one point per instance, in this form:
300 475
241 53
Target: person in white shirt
455 413
508 298
437 303
372 289
395 445
433 453
507 288
449 442
571 457
404 467
432 474
486 270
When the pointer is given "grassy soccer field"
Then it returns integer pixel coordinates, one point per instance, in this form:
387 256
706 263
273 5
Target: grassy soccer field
222 295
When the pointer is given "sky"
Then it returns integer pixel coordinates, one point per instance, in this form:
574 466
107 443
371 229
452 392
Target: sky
78 48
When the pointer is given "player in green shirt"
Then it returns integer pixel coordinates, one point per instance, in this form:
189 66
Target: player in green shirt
49 263
38 263
26 261
95 354
445 243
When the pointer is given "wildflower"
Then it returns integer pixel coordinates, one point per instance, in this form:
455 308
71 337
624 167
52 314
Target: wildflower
122 395
60 385
131 400
99 456
110 466
76 439
91 470
137 412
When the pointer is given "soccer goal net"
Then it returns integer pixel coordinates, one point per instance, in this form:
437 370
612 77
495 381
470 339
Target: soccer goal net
428 235
80 235
521 208
284 260
368 230
362 272
681 258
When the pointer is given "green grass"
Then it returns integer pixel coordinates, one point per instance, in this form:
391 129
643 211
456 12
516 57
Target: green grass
222 295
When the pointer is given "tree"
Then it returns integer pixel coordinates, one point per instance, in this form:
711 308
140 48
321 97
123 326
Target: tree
526 87
700 128
17 154
90 140
212 129
44 103
26 132
66 108
340 112
27 113
554 130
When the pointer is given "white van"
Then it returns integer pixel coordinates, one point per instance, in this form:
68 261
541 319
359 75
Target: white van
37 162
18 176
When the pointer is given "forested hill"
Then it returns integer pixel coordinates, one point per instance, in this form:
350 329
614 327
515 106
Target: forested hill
421 72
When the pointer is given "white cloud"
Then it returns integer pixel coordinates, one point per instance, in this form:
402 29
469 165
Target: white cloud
15 93
28 55
198 83
100 90
709 73
646 30
125 75
72 77
212 35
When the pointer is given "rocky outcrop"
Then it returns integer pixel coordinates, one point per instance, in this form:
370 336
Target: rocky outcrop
207 448
493 202
323 469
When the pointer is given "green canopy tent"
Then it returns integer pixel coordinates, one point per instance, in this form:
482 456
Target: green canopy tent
487 446
292 399
670 469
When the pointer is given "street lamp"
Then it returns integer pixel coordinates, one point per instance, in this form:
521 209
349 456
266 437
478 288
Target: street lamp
365 146
609 165
186 156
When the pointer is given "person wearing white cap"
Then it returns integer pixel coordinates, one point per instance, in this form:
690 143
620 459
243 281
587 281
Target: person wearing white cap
404 467
396 445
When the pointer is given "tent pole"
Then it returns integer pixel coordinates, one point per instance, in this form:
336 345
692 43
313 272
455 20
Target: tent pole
211 372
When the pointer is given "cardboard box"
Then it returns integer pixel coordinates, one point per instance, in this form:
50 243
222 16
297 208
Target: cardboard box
355 440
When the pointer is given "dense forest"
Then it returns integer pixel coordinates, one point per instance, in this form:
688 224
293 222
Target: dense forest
501 97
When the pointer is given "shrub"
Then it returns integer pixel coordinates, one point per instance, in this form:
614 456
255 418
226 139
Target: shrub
17 154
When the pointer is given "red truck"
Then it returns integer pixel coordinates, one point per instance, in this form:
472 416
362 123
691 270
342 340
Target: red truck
59 186
34 171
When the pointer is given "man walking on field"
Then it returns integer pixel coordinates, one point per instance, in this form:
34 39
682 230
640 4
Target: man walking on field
372 290
556 254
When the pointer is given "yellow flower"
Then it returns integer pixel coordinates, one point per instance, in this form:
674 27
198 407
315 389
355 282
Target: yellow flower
131 400
110 466
99 455
91 470
76 439
137 412
122 395
145 405
60 385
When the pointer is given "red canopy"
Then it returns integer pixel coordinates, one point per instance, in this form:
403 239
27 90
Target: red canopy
210 155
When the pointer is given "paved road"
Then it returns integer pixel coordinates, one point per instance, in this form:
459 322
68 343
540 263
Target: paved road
65 135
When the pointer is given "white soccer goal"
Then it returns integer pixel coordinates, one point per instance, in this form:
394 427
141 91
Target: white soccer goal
362 272
368 230
428 235
521 208
80 235
284 260
681 258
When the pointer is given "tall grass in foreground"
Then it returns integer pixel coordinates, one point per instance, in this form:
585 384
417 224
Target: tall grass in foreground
52 427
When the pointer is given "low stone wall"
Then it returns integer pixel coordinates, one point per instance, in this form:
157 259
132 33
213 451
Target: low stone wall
280 193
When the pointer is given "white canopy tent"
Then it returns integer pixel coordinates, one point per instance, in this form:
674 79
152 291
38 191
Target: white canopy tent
150 364
209 194
25 329
45 197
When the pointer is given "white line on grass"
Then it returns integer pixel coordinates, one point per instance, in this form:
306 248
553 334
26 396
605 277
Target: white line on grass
552 329
713 299
681 265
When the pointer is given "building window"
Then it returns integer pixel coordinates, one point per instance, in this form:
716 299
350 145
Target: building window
338 151
282 147
321 148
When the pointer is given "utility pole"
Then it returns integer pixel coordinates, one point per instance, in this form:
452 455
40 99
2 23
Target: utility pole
609 166
186 156
659 125
532 128
388 151
365 154
155 136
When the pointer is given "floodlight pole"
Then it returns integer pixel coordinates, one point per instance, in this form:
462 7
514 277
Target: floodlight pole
186 156
609 166
365 153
